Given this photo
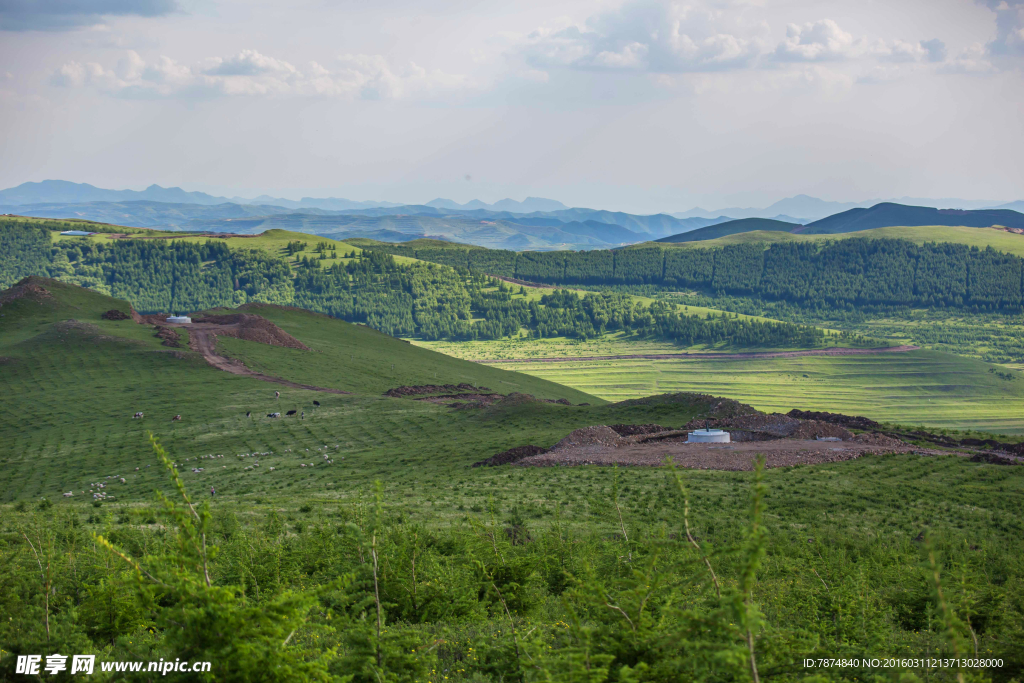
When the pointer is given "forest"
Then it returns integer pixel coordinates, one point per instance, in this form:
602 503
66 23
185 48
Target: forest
702 580
428 300
840 273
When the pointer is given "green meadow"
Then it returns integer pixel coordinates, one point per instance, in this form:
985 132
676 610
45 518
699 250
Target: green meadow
917 388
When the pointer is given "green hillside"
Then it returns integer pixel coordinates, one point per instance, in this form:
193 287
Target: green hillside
73 381
889 214
997 238
477 575
730 228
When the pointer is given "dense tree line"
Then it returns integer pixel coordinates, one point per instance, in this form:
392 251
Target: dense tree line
429 300
858 271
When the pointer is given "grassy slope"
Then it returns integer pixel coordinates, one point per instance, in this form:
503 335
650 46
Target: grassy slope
1000 240
70 392
920 387
742 225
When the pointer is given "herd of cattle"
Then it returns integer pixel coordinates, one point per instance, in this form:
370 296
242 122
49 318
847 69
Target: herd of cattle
277 394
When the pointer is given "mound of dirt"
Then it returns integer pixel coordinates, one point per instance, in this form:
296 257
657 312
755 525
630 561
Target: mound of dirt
750 427
462 400
598 435
25 288
854 422
816 429
516 399
170 337
716 406
632 430
252 328
997 459
875 439
114 314
510 456
423 389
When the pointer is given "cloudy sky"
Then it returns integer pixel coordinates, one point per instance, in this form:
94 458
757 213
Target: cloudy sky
640 106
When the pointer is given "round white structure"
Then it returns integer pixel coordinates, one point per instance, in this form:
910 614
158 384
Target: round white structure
707 436
179 319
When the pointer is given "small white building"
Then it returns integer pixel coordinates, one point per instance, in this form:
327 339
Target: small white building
708 436
183 319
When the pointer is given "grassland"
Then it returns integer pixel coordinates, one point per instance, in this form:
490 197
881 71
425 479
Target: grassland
73 387
845 545
920 387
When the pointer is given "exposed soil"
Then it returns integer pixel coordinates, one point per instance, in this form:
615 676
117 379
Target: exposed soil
25 288
632 430
854 422
510 456
460 400
599 436
836 351
114 314
203 340
250 328
423 389
169 336
762 427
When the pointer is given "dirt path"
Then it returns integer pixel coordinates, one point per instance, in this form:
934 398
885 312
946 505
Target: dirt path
838 351
203 340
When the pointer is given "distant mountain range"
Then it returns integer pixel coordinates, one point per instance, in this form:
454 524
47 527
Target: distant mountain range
534 223
810 209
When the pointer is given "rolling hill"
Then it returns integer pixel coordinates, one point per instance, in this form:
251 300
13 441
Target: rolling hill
731 228
888 214
997 238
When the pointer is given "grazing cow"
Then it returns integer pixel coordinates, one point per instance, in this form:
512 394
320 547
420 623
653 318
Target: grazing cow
137 416
290 412
277 394
176 418
316 403
68 494
271 469
123 481
248 413
273 414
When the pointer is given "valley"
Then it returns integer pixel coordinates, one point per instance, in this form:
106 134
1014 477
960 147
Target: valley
316 439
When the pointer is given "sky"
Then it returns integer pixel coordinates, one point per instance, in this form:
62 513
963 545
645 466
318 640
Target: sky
636 106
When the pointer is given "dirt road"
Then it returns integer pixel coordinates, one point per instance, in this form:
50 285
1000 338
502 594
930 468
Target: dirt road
203 340
837 351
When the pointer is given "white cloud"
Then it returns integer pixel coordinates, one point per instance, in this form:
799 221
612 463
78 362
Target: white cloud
648 36
252 73
819 41
972 60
